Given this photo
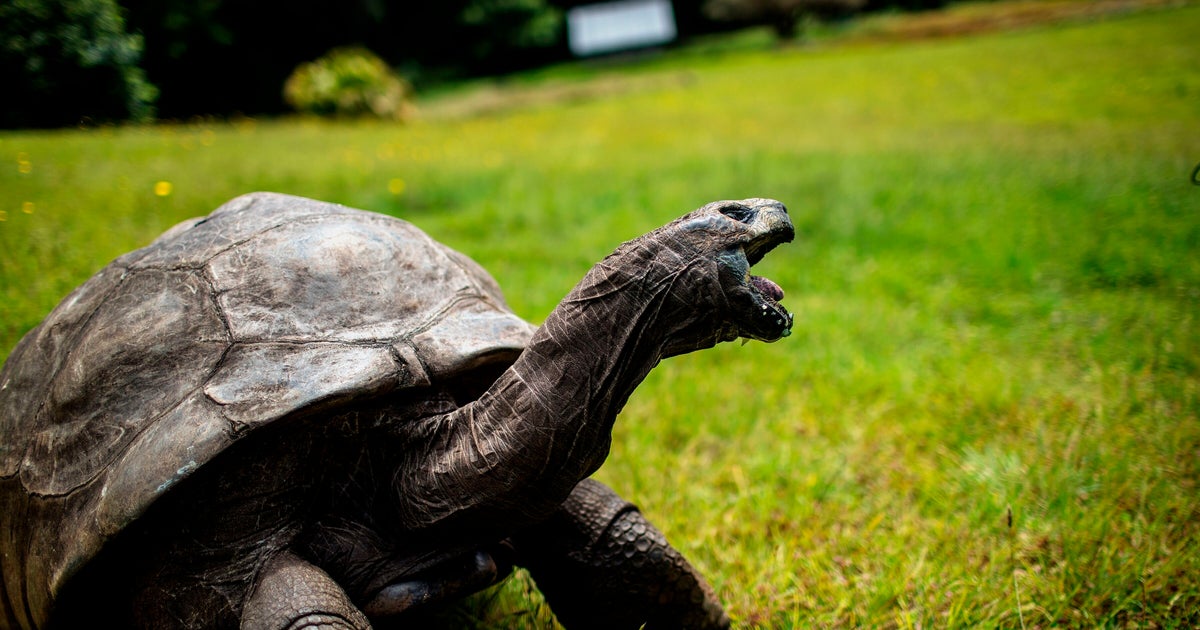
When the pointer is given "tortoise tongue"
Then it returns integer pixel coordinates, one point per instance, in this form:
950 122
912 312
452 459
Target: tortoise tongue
769 289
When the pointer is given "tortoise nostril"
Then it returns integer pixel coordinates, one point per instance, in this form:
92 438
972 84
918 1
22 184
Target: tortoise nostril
738 213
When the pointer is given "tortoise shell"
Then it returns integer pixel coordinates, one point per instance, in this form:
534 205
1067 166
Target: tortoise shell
270 305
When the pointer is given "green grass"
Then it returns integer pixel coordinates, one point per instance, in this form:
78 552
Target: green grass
996 285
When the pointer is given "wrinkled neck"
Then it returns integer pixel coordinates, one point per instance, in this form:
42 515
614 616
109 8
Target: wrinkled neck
633 309
546 423
593 351
636 307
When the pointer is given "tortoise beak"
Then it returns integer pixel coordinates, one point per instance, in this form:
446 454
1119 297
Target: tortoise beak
769 227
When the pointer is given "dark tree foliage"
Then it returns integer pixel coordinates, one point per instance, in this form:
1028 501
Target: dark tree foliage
906 5
63 62
222 57
503 34
781 15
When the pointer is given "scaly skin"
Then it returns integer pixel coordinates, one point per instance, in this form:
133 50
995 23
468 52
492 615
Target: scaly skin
600 565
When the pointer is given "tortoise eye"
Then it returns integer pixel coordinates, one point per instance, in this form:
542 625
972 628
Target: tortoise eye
738 213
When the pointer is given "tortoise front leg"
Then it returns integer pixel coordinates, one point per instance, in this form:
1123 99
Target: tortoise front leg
601 564
292 594
449 580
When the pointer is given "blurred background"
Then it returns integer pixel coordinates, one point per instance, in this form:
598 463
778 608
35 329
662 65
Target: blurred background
67 61
988 414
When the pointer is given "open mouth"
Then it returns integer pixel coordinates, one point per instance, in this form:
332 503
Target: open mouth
774 319
767 320
759 313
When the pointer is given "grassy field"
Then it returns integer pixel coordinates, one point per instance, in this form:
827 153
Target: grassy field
989 413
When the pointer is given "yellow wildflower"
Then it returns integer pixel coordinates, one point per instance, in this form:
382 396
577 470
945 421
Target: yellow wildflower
162 189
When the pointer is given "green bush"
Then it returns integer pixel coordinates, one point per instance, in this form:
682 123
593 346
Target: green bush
349 82
67 61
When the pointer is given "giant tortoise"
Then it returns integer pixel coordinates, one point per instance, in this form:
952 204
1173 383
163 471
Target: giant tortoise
295 414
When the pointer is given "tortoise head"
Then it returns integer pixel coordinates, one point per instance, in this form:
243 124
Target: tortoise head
733 236
697 270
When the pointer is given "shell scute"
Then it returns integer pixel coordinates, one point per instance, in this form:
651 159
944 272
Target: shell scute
338 278
260 382
472 333
154 340
161 456
38 358
193 242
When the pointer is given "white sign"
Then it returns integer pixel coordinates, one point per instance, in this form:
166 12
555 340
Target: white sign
610 26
